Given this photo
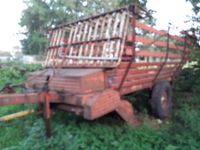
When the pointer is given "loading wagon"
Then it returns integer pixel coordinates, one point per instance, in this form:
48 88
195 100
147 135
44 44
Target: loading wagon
93 62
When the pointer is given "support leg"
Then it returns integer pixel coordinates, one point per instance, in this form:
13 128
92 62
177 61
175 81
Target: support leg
47 115
125 110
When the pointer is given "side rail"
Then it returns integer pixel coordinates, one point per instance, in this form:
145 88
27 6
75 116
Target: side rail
97 41
156 55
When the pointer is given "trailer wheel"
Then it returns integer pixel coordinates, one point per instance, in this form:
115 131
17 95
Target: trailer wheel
161 100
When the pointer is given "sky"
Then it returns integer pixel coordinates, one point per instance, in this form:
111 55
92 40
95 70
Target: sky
173 11
10 13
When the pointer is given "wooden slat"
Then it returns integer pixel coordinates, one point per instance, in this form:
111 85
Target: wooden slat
142 64
158 43
147 53
120 72
159 32
157 54
134 88
148 28
143 81
135 74
129 90
150 41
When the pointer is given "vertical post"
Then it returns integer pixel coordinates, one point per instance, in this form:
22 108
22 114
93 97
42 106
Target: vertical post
183 59
132 9
47 115
166 56
46 108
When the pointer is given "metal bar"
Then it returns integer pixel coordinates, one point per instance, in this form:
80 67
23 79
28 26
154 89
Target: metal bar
47 114
83 39
107 35
166 58
14 99
124 36
96 16
93 58
57 42
97 40
94 38
68 46
182 61
88 38
61 48
16 115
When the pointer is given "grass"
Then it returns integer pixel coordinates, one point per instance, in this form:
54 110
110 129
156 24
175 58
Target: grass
70 132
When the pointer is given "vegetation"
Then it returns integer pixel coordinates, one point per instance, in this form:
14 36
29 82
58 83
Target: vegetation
195 29
70 132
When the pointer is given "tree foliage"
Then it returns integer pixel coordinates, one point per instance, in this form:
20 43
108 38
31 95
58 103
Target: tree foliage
42 14
195 30
196 19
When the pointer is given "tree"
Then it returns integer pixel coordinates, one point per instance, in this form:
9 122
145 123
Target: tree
195 30
35 18
42 14
196 18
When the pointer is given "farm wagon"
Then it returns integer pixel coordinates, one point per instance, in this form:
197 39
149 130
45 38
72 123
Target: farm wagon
91 63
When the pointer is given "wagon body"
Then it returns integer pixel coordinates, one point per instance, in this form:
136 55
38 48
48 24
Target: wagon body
92 62
133 55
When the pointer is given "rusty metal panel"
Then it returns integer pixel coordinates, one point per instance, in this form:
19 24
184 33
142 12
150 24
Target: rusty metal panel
93 82
73 81
126 111
101 104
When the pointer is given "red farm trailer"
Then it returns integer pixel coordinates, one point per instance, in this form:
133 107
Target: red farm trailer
91 63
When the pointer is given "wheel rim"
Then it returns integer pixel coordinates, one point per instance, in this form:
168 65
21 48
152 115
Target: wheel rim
164 101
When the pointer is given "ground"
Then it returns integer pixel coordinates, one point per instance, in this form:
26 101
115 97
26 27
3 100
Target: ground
181 131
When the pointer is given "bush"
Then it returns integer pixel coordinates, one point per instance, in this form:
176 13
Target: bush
15 72
188 80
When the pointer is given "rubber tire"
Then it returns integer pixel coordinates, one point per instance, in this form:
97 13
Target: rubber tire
158 109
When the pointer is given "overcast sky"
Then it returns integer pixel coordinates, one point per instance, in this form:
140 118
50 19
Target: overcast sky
174 11
10 12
